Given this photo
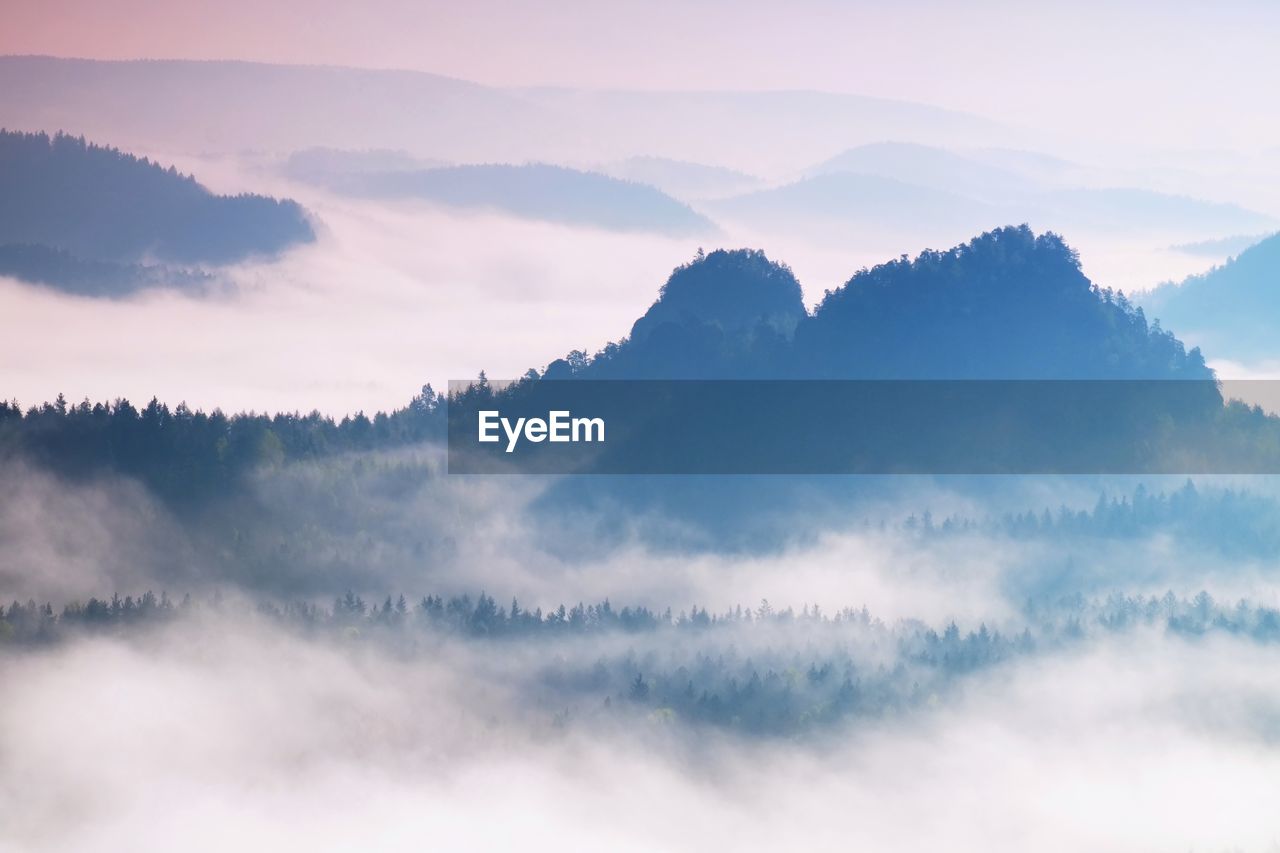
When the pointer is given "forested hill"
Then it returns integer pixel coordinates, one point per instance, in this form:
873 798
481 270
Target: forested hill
1006 305
1234 309
99 204
186 456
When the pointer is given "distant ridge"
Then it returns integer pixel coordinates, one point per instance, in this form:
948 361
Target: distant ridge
532 191
99 212
680 178
229 106
937 194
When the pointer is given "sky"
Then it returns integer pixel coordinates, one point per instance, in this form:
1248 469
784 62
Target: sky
1190 74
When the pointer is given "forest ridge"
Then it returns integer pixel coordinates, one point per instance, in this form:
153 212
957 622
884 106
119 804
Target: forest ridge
92 219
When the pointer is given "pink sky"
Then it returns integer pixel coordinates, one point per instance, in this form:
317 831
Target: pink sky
901 49
1180 69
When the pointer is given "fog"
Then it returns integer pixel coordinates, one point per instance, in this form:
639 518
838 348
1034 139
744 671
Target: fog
393 523
220 731
63 540
222 725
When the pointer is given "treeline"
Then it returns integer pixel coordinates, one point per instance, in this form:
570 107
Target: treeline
482 617
1233 521
760 671
775 688
186 455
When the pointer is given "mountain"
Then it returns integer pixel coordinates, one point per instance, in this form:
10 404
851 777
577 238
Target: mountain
1006 305
680 178
1222 246
1138 210
221 106
736 291
966 199
1031 165
847 198
929 166
99 204
722 315
1233 310
535 191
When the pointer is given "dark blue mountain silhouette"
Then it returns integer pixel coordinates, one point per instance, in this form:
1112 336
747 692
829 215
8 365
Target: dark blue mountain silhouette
1007 305
99 204
724 315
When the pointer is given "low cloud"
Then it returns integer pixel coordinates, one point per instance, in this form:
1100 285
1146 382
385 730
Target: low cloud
224 732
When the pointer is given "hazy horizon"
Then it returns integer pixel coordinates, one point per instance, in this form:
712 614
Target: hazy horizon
1134 62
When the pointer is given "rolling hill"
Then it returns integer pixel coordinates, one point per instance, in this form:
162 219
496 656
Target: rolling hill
534 191
92 206
682 179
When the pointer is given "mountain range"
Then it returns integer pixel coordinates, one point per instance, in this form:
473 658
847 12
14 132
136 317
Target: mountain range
907 187
225 106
